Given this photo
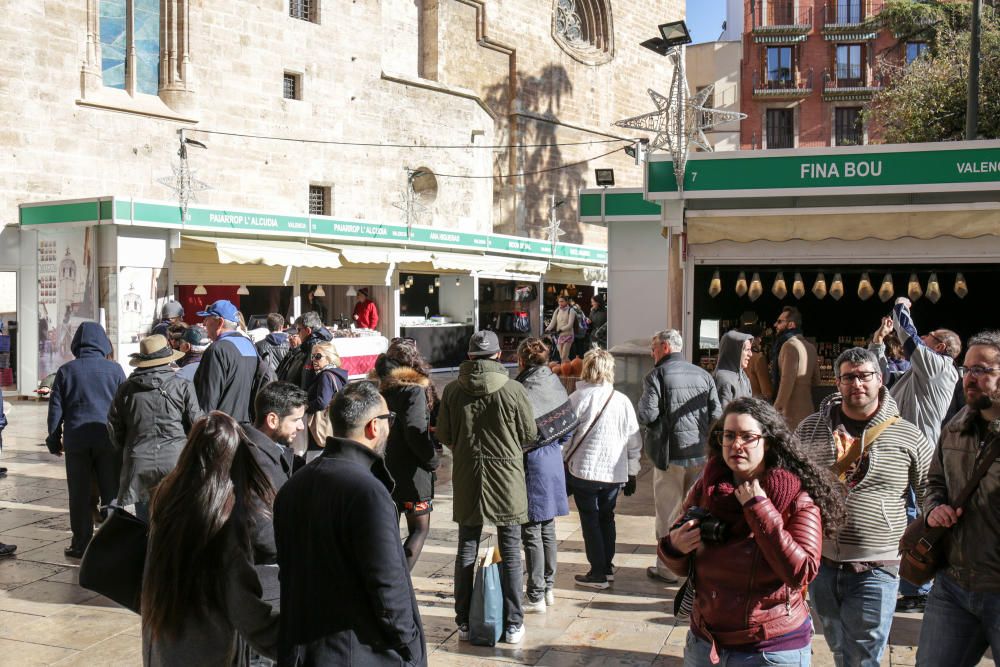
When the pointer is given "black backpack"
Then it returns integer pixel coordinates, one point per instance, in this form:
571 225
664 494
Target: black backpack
263 376
290 368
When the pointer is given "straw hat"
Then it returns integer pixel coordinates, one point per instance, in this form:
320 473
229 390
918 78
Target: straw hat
154 351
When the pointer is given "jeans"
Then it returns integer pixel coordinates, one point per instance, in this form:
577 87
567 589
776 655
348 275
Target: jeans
697 654
856 612
509 539
912 512
595 501
539 557
958 626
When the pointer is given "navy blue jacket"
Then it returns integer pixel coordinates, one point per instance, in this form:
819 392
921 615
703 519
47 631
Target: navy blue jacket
82 393
224 378
3 421
346 594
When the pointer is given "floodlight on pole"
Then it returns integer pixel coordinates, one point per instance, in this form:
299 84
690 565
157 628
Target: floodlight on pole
604 177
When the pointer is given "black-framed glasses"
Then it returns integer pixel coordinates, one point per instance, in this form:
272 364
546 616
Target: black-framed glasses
317 357
389 417
977 371
851 378
745 439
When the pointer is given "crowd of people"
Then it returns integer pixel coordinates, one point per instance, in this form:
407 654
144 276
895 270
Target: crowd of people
274 487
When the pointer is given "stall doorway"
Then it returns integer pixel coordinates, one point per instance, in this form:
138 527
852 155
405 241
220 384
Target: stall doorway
8 331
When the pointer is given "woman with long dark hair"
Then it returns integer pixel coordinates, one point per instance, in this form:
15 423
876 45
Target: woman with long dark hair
410 455
764 507
200 588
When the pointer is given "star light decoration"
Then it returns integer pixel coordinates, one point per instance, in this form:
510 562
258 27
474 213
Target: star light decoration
554 231
680 120
413 210
183 183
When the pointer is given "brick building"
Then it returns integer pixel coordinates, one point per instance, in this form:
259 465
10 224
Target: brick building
809 67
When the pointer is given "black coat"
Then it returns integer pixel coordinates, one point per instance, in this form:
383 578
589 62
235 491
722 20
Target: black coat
82 393
346 594
148 423
278 463
410 455
225 376
273 349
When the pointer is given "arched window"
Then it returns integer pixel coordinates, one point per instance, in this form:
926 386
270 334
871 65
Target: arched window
583 29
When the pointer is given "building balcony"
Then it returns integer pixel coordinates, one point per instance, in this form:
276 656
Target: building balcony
854 20
780 17
794 87
850 86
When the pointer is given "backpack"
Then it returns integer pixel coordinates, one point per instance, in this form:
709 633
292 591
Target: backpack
290 367
581 325
263 376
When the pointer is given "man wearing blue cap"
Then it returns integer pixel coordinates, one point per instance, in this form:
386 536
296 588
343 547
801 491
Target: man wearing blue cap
225 375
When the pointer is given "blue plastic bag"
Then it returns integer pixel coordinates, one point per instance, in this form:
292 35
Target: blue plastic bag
486 614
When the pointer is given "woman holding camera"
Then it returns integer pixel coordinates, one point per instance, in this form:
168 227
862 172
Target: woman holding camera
764 507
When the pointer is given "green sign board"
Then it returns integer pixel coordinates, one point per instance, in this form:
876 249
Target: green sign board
942 167
619 204
156 214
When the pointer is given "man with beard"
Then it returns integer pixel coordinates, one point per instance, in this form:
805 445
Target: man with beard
877 455
964 605
346 594
794 368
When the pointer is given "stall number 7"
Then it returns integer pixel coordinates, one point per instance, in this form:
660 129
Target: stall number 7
694 176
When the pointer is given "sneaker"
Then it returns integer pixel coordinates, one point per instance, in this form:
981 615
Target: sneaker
909 604
529 607
463 632
514 634
610 574
654 573
590 581
7 550
72 552
550 597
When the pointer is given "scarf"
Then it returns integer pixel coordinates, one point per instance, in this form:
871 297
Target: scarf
719 494
775 367
554 416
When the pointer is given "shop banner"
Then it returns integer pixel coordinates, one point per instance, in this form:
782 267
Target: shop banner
66 292
944 167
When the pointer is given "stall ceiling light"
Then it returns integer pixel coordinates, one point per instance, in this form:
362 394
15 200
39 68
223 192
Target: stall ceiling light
430 289
837 287
779 289
819 287
865 289
756 288
458 282
933 289
741 284
243 291
798 287
320 292
402 288
199 290
961 287
886 291
351 291
913 290
437 281
715 286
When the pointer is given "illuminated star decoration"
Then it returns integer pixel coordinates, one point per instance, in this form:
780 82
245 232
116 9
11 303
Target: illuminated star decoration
184 184
554 232
680 120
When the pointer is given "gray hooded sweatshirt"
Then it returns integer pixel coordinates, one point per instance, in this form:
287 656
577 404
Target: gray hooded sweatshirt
730 380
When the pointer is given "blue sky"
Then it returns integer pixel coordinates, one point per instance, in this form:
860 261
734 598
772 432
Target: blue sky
704 19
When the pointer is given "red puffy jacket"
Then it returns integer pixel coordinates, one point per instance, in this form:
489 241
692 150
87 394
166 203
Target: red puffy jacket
748 590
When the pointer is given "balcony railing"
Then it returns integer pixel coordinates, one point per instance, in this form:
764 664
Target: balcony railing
849 83
797 85
850 13
781 16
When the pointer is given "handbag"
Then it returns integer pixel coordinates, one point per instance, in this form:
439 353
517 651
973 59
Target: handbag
115 558
320 427
921 548
486 613
576 446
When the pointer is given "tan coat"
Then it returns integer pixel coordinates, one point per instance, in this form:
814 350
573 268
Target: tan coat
799 373
760 377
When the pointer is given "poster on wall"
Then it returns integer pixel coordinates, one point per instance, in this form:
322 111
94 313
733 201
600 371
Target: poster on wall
66 293
141 293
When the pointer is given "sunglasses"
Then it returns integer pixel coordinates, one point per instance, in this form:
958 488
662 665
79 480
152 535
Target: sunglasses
317 357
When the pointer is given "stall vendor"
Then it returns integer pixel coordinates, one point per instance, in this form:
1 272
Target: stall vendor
365 311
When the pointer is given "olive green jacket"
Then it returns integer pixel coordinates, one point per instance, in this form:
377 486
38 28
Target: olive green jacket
484 418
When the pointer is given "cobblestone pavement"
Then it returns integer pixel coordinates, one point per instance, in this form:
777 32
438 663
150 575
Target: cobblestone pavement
46 618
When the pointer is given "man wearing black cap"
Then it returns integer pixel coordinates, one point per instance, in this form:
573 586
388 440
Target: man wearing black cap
225 376
194 342
172 313
484 419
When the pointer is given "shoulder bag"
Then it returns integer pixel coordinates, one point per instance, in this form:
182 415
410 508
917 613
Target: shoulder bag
921 548
576 446
114 560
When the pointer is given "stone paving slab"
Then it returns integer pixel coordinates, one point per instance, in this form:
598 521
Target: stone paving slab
46 618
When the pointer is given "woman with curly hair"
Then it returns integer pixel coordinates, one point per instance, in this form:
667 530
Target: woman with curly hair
410 455
749 573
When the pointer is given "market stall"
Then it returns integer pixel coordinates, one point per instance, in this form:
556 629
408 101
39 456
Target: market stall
358 350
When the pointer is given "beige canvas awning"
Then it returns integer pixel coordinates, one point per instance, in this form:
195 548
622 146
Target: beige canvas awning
360 254
270 252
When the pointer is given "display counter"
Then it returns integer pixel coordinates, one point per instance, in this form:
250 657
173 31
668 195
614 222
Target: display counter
358 355
442 345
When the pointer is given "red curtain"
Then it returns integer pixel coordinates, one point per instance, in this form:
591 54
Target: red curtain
194 303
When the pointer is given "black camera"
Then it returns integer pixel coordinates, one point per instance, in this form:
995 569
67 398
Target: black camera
713 530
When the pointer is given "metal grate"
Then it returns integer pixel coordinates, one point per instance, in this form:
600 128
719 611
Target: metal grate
781 128
291 90
847 126
302 9
319 200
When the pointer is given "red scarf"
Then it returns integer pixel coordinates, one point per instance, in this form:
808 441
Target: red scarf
719 493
